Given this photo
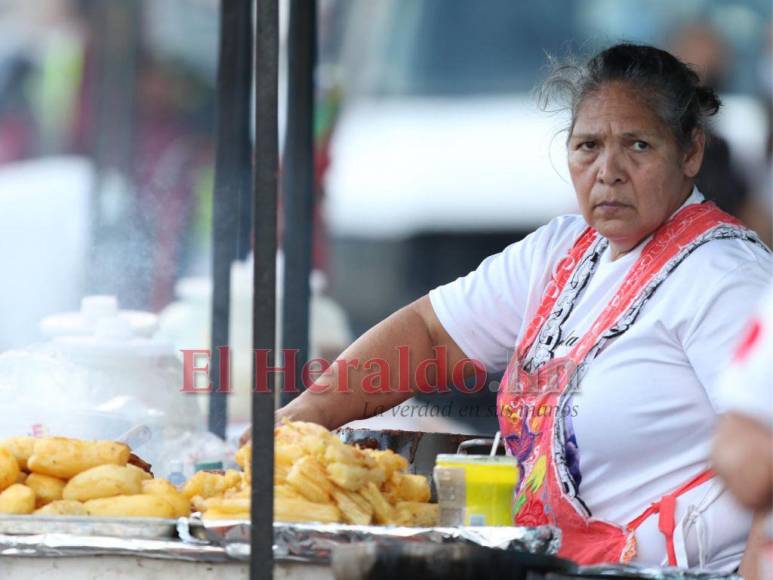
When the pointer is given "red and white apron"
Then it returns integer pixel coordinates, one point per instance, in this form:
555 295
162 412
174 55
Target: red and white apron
536 388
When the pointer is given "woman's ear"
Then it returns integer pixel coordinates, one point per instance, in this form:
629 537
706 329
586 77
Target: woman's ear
693 158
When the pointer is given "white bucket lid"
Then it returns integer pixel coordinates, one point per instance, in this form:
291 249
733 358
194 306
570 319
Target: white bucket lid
113 341
93 309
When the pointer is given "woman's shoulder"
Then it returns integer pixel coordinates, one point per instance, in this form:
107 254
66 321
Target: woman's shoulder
555 237
729 258
721 280
567 225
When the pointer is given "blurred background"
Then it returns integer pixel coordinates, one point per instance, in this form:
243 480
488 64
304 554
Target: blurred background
430 151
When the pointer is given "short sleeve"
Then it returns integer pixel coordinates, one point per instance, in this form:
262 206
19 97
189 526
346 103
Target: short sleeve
720 313
484 310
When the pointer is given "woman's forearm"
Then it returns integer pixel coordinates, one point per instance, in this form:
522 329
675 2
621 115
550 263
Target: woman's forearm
378 370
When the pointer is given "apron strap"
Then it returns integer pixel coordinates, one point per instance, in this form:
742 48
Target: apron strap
558 279
671 239
666 510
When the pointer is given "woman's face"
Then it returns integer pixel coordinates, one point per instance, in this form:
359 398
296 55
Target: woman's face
627 168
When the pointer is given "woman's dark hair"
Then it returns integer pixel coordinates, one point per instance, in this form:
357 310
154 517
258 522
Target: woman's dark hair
671 89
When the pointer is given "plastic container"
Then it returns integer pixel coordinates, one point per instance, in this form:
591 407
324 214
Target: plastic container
186 323
475 490
93 309
101 377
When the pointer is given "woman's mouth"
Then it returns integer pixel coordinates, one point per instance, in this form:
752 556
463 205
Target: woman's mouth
610 207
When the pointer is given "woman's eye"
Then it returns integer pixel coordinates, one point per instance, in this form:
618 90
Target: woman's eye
587 146
640 145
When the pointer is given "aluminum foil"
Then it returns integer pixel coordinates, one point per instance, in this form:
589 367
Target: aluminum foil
61 545
148 528
665 573
314 542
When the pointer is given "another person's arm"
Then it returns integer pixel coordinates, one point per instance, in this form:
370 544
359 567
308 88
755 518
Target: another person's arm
742 453
743 458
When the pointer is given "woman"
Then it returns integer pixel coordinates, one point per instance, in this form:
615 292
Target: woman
618 318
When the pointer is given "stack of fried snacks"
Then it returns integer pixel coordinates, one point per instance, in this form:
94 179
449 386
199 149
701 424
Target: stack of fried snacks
73 477
317 478
220 495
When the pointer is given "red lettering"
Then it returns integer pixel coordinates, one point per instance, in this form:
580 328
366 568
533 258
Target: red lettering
440 384
190 369
404 369
262 370
343 373
316 367
224 358
458 376
377 382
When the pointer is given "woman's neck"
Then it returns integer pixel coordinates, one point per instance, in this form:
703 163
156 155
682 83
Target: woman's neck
620 248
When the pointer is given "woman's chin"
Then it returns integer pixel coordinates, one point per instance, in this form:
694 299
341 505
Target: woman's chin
615 229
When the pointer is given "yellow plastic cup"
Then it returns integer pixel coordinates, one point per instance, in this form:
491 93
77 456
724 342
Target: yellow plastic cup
475 490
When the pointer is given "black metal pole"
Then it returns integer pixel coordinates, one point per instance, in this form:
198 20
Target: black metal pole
232 175
266 161
298 183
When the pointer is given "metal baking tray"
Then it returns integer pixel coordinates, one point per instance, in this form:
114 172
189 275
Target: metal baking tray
144 528
314 542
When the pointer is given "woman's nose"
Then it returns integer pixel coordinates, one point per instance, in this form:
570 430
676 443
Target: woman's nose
610 169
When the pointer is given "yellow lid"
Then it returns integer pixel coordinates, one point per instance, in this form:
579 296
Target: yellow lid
476 459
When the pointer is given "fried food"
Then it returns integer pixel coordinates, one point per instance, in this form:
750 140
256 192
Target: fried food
308 477
407 487
65 458
244 460
416 514
286 491
301 510
354 508
217 514
98 478
17 499
62 507
318 478
46 488
21 447
169 493
207 484
140 505
9 469
383 512
103 481
348 477
228 505
312 438
389 461
144 475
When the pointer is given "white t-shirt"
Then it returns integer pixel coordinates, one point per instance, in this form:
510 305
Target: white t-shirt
746 386
645 414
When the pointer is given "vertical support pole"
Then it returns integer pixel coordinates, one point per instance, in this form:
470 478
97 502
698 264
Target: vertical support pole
266 161
232 177
298 184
